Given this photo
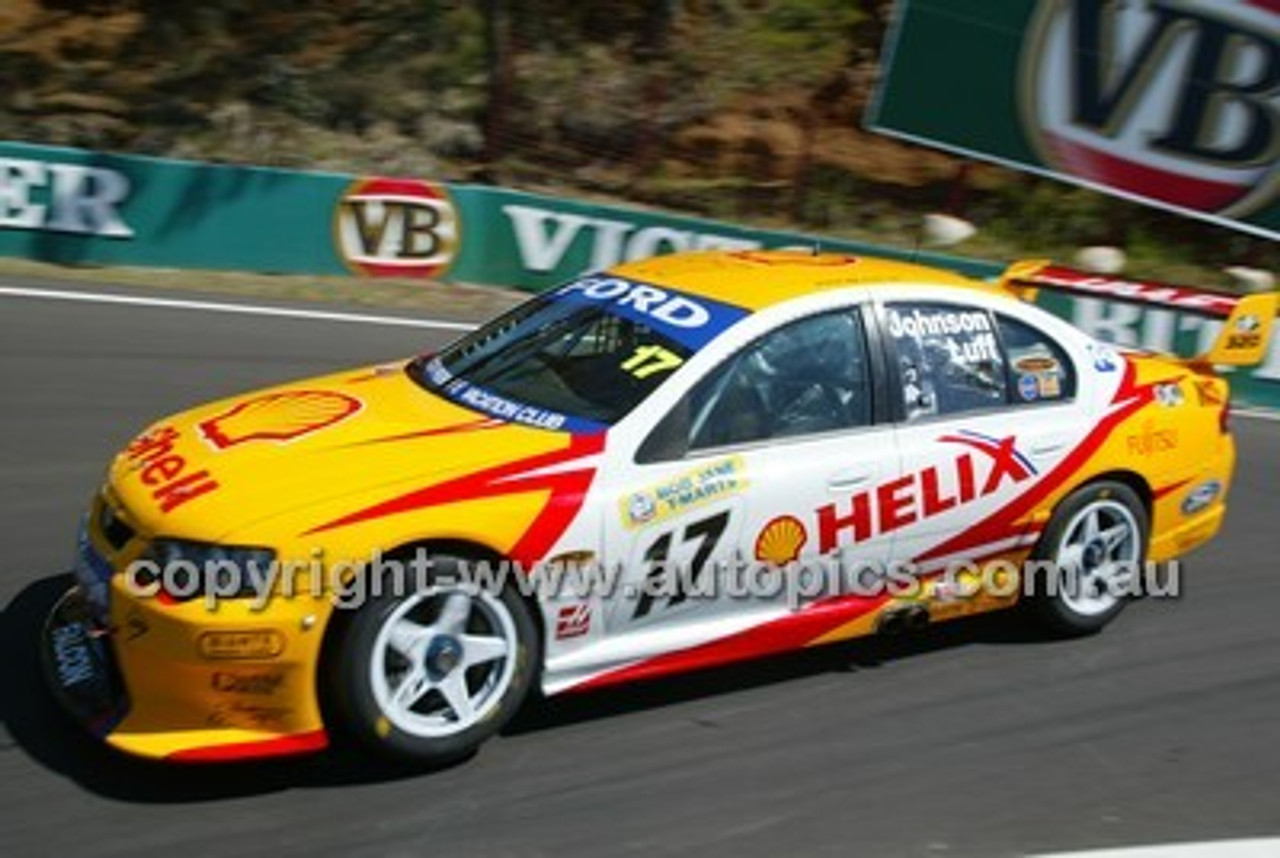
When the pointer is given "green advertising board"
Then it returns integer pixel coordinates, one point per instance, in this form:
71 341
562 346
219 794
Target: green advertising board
1175 104
77 207
533 241
74 206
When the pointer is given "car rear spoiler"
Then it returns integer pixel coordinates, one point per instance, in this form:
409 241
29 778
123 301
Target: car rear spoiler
1248 319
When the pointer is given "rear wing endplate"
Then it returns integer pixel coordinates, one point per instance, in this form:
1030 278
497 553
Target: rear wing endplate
1248 319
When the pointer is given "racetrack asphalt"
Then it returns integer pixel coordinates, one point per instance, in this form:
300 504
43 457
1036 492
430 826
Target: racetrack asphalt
969 739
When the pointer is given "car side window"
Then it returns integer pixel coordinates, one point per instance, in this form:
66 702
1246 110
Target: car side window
1039 368
949 358
806 377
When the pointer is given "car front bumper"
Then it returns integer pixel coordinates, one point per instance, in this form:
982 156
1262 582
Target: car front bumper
182 681
80 666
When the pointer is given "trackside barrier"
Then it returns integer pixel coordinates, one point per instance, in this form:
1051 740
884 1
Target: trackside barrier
73 206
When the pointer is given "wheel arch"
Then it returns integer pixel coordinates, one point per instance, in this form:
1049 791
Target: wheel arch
1132 479
1053 610
341 617
460 548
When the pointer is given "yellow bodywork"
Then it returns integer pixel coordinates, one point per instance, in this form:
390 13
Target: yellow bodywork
175 482
1246 332
330 471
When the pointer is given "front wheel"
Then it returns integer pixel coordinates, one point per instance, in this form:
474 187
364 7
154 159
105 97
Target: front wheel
428 676
1094 545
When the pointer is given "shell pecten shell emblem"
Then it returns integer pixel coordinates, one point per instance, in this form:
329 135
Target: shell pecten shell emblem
278 417
781 540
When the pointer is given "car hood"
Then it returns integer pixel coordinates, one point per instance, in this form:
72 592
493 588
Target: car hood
329 443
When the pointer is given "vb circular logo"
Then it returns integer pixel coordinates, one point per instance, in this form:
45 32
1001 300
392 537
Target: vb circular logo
396 228
1173 102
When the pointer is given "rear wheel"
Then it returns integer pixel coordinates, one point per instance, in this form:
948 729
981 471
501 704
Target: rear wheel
1095 544
429 675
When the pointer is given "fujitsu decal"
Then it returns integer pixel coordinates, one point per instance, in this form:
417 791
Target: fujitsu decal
984 468
396 228
279 417
1173 101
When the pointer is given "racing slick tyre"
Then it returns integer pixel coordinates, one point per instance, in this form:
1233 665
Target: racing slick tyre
1092 548
426 676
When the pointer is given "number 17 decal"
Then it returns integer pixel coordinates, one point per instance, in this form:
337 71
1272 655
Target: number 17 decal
650 360
667 579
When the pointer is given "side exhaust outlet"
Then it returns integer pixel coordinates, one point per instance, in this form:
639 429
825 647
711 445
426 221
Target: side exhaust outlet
909 619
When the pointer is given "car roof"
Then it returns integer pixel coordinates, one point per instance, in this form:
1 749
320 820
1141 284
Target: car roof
756 279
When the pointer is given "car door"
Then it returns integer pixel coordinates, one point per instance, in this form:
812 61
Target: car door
746 484
987 408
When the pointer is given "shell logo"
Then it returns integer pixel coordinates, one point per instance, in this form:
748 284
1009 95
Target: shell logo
780 540
1170 103
396 228
278 417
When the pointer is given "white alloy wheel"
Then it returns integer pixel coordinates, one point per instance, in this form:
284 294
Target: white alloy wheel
1089 554
429 675
442 660
1098 555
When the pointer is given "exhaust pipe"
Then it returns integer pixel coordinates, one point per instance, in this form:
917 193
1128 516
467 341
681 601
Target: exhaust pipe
917 618
909 619
891 624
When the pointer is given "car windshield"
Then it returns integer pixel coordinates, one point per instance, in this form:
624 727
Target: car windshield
578 359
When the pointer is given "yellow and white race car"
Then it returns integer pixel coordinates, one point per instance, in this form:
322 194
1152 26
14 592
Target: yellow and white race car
672 464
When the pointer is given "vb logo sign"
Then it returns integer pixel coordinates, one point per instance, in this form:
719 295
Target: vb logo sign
396 228
1173 101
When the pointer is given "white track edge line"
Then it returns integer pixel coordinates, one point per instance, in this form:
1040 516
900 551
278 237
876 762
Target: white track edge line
323 316
1255 414
1245 848
221 307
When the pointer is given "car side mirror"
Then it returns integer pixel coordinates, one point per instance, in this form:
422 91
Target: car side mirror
669 440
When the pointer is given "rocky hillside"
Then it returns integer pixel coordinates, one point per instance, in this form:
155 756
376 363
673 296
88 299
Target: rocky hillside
746 109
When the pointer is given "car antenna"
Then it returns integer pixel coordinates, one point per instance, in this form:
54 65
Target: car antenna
918 244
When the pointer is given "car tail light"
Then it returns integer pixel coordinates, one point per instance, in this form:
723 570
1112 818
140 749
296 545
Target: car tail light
1224 417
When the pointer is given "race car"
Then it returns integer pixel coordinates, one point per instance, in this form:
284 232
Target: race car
673 464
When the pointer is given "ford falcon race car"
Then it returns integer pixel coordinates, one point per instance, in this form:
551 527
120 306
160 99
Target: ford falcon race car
564 498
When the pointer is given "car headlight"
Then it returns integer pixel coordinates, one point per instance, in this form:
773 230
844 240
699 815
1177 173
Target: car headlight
180 570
